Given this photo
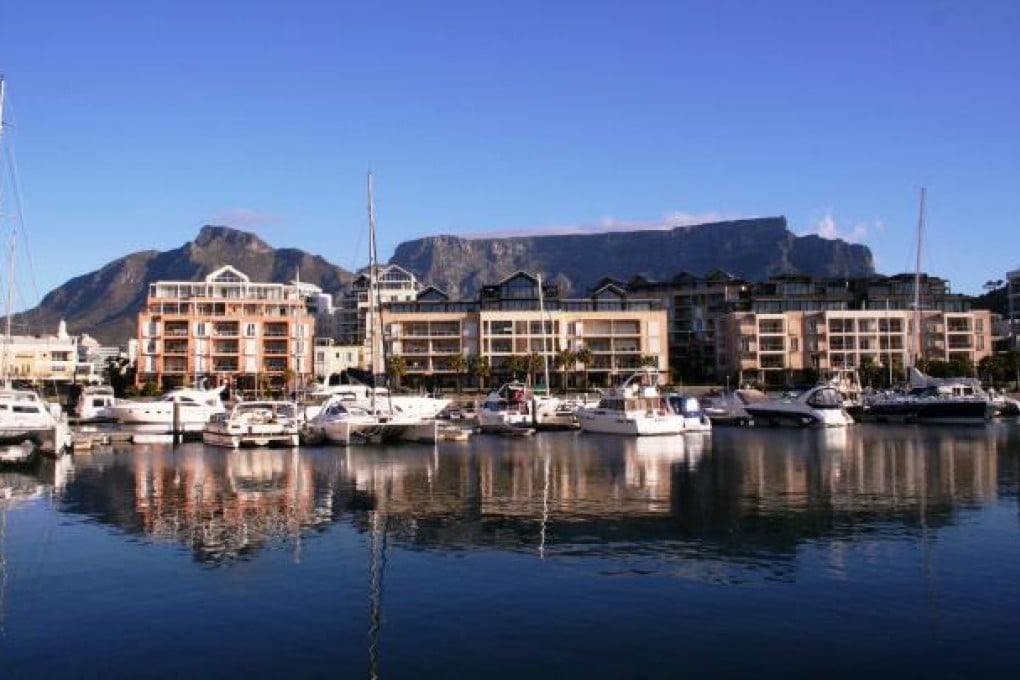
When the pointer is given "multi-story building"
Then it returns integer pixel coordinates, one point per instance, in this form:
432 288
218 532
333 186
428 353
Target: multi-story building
774 348
45 360
520 320
227 328
1013 302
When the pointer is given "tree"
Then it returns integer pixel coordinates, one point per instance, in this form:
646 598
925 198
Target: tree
584 357
563 360
516 364
458 364
535 363
480 368
396 368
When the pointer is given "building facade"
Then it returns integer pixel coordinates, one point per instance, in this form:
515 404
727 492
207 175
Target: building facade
521 326
776 348
227 329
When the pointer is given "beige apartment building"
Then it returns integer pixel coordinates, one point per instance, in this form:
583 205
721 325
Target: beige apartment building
438 339
765 348
226 329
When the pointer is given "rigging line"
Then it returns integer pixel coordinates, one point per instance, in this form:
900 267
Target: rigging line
20 212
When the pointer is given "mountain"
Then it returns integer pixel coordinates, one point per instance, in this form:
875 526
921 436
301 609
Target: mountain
105 303
753 249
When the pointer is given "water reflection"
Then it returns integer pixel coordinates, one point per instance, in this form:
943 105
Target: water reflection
733 495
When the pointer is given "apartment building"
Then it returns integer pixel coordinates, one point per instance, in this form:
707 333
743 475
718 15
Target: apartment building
520 317
777 348
1013 300
227 328
49 359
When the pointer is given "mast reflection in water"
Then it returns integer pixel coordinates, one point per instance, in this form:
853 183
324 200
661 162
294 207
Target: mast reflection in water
876 548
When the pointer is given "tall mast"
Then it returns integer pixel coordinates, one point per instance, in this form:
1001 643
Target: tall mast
918 336
371 287
5 372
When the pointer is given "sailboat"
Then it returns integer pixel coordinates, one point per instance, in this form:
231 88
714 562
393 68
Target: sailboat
930 400
374 416
27 423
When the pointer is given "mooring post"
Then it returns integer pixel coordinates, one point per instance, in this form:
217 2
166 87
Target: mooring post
177 433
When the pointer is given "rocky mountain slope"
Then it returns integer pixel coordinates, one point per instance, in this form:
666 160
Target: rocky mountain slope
753 249
105 303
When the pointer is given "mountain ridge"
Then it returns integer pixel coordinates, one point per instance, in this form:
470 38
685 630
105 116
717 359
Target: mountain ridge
105 303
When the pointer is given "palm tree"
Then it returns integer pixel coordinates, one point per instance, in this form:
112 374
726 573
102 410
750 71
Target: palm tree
458 363
563 360
584 356
534 363
396 367
515 364
479 367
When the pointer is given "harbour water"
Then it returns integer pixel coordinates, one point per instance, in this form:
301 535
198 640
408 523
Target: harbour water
880 549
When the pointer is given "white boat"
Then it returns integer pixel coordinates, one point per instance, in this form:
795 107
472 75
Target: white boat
195 407
94 404
635 408
383 400
688 406
25 417
340 421
266 422
514 406
818 406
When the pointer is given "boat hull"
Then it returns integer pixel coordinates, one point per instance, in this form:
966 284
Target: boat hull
602 421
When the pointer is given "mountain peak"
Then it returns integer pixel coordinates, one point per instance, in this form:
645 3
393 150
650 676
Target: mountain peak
211 235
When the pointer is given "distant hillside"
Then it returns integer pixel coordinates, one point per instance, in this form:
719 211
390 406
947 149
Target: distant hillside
753 249
105 303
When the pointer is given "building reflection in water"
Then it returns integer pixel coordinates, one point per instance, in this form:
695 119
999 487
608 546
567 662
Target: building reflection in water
732 494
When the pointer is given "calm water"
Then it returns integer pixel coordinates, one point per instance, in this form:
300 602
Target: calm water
883 549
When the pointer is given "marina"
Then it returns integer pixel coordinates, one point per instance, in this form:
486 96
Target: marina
873 548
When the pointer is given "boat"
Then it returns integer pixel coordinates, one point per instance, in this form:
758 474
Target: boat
26 417
515 406
340 421
18 456
375 398
264 422
193 406
688 406
731 408
93 404
818 406
636 407
958 401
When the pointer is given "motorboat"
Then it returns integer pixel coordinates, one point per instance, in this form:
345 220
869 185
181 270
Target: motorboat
688 406
636 407
194 408
93 404
382 399
730 408
818 406
958 400
342 421
265 422
26 417
516 407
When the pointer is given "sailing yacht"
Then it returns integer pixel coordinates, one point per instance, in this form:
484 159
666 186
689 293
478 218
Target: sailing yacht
26 420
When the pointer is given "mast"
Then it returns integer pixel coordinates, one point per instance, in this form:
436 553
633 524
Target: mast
917 284
545 337
5 360
372 286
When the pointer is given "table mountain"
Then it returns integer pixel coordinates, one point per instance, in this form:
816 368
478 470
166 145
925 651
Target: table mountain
753 249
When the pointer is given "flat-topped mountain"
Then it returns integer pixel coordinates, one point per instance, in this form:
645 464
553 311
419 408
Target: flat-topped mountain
753 249
105 303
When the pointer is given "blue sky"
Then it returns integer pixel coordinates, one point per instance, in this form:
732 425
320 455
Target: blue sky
135 123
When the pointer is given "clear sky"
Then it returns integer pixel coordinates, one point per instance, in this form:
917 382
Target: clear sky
135 123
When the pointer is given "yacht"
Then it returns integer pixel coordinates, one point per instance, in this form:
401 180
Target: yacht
25 417
93 404
266 422
634 408
688 406
515 406
934 400
818 406
342 421
195 407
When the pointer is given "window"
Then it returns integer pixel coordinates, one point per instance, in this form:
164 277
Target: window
249 330
200 330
